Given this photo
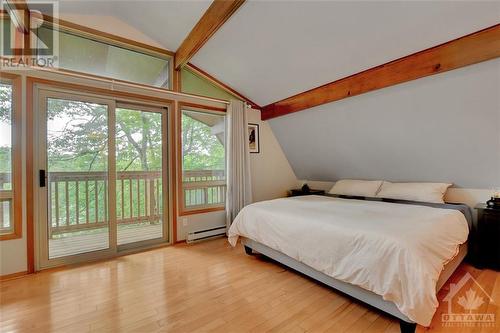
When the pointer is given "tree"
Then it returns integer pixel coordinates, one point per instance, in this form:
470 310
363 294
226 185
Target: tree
5 120
201 150
78 139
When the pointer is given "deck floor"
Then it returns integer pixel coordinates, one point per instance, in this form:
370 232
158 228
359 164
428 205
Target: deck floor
95 240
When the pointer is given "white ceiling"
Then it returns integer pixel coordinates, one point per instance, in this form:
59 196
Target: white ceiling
164 23
270 50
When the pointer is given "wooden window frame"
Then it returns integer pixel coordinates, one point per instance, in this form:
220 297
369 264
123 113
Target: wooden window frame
182 211
17 193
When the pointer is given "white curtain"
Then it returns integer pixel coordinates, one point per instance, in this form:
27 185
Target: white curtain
239 185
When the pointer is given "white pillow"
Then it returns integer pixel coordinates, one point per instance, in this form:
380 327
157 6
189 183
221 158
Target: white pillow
424 192
361 188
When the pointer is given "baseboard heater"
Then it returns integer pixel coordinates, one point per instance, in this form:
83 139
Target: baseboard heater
206 234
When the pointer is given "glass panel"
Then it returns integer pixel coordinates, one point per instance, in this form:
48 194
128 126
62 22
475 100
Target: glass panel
88 56
203 160
139 179
77 161
6 225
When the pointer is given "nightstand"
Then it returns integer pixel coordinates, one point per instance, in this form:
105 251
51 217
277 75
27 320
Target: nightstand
486 242
299 192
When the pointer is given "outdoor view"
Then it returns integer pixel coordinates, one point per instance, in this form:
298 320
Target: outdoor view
139 202
203 160
77 162
5 159
77 148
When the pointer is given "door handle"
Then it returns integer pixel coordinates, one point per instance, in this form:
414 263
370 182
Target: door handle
42 177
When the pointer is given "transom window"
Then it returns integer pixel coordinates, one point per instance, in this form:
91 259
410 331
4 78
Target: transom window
86 55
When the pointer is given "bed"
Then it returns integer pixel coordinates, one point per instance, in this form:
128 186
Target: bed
392 255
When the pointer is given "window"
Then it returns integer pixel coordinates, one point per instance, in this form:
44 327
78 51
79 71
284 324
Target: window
10 168
94 57
203 185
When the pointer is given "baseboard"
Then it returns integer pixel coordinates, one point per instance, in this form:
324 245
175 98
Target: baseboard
13 276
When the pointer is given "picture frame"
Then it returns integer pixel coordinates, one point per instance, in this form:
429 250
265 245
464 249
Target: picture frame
253 138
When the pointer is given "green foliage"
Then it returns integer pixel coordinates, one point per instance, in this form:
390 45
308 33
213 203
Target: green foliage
201 150
77 139
5 116
5 102
5 159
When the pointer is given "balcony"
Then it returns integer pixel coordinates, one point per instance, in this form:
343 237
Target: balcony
78 206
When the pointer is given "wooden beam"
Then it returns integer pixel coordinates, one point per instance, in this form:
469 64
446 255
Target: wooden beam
467 50
215 16
221 85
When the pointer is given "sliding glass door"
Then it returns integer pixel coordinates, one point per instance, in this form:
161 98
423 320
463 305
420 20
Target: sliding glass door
101 175
139 165
77 176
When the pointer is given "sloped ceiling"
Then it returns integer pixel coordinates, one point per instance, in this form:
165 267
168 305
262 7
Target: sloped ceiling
161 23
270 50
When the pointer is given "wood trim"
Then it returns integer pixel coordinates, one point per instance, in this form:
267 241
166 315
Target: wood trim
101 91
467 50
215 16
30 181
13 276
177 86
200 72
201 106
180 193
17 134
174 129
201 211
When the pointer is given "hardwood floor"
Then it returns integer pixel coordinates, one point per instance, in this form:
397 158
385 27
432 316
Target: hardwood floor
206 287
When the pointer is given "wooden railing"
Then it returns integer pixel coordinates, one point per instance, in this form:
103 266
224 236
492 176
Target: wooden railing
79 200
204 188
5 202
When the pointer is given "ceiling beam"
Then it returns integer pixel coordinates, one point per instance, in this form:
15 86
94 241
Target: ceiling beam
221 85
215 16
467 50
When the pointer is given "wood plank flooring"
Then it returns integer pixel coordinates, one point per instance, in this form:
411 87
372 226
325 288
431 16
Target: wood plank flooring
205 287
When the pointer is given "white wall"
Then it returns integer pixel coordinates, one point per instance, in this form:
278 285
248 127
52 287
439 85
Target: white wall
272 177
442 128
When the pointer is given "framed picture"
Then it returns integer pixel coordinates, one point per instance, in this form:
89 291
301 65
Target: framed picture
253 138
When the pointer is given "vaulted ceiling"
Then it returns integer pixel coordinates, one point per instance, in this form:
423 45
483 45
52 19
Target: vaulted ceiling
270 50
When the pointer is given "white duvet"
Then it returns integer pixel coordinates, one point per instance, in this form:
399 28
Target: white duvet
394 250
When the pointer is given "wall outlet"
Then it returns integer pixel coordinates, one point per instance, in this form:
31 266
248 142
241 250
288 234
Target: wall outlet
184 222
